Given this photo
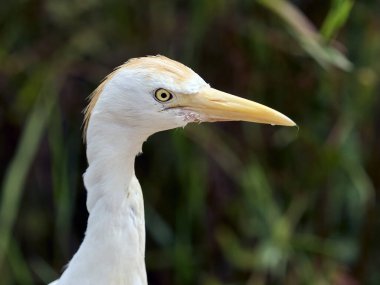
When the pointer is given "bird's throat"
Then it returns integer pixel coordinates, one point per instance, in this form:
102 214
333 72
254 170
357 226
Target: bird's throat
111 153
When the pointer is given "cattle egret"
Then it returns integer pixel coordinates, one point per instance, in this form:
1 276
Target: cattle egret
143 96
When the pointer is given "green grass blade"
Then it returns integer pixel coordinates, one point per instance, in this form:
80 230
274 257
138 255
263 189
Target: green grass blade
336 18
17 171
305 33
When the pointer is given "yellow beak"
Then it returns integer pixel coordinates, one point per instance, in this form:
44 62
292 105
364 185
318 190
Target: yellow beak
213 105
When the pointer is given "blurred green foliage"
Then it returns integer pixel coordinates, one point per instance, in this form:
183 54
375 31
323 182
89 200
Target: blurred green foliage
230 203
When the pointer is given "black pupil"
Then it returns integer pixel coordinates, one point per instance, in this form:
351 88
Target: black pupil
164 95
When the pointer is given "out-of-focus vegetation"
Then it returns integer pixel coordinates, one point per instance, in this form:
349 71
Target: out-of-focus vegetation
230 203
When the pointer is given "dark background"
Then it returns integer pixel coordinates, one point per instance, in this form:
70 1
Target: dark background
226 203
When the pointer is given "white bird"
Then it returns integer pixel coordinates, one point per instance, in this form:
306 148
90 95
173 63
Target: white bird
143 96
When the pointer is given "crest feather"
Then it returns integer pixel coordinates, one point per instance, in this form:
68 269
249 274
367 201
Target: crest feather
157 63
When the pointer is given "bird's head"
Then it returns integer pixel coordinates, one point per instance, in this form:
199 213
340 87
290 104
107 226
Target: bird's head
155 93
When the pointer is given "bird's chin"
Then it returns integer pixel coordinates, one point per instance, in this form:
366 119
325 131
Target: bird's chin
188 116
191 116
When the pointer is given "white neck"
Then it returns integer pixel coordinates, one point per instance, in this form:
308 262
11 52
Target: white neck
114 246
111 152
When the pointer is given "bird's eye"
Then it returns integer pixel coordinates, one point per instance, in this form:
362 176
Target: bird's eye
163 95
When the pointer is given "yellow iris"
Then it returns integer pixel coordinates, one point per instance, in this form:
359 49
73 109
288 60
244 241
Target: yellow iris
163 95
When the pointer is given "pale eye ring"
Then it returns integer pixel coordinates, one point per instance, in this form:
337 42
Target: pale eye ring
163 95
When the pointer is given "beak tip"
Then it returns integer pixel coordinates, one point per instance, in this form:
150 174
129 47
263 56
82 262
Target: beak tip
287 122
292 124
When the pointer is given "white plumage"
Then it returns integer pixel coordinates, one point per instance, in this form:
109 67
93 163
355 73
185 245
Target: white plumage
143 96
